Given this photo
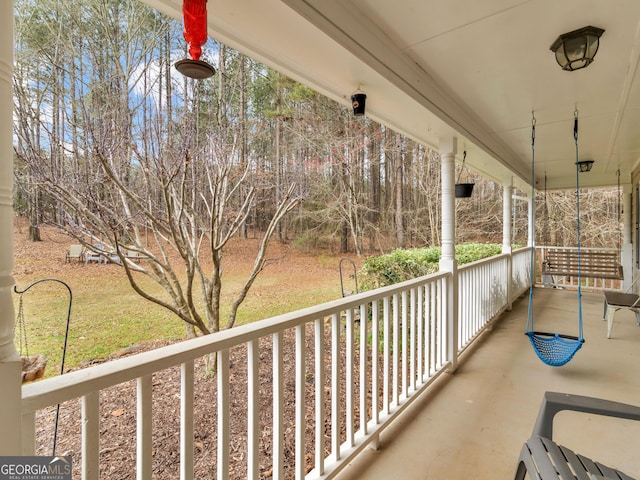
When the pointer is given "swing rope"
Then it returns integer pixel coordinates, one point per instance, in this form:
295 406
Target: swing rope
532 259
575 140
553 349
619 213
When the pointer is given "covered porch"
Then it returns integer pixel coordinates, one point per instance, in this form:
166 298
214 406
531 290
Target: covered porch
432 398
425 394
474 423
448 399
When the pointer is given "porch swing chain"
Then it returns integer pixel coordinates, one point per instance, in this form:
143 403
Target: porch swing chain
553 349
575 139
464 158
546 230
532 258
619 202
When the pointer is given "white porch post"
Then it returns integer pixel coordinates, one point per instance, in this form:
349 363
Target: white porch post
10 378
507 209
626 255
448 150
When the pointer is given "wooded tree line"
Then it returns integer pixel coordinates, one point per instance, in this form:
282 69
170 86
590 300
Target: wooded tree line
96 77
113 145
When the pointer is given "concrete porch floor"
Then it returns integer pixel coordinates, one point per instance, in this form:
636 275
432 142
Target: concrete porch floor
474 422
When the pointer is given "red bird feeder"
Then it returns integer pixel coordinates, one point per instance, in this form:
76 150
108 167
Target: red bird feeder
194 13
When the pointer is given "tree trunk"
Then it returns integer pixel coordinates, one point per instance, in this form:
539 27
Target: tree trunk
344 238
278 154
243 132
375 204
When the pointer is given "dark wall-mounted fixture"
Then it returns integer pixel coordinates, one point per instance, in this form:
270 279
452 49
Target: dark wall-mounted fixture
585 165
358 100
194 13
576 49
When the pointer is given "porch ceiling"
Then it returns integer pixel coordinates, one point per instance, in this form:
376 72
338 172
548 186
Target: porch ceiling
477 70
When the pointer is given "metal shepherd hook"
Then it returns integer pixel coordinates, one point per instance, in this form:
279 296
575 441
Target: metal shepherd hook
64 348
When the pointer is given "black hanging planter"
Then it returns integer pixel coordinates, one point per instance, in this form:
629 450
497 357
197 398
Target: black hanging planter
463 190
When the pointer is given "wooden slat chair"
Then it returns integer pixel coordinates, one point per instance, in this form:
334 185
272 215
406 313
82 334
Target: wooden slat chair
543 459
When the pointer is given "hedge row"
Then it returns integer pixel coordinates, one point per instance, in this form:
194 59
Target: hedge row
404 264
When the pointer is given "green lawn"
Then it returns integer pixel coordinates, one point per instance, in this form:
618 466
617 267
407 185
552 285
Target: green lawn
108 316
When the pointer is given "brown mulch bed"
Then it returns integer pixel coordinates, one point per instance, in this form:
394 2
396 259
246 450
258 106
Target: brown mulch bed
118 418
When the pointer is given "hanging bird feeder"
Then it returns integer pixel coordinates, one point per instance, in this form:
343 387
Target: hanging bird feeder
194 14
358 100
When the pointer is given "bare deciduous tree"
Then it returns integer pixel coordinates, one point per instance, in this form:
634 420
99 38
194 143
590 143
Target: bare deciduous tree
163 180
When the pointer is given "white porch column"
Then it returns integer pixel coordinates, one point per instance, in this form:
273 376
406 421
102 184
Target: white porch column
626 255
507 215
448 150
10 378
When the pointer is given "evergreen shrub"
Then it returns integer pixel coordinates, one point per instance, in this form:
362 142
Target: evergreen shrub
405 264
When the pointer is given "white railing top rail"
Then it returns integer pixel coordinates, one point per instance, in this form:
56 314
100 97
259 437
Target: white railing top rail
492 259
75 384
482 261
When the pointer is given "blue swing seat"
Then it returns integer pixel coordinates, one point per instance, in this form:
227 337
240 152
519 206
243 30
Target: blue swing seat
554 349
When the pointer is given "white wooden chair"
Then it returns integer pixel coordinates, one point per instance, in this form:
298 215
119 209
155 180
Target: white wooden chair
75 252
95 255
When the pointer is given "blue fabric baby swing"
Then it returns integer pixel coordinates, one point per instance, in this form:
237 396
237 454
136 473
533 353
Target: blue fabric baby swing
554 349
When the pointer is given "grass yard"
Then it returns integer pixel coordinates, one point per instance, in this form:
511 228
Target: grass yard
107 316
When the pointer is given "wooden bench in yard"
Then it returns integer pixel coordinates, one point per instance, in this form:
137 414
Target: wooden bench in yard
133 255
593 264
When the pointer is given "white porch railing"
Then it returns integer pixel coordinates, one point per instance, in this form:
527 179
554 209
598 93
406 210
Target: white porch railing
484 294
388 345
520 272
